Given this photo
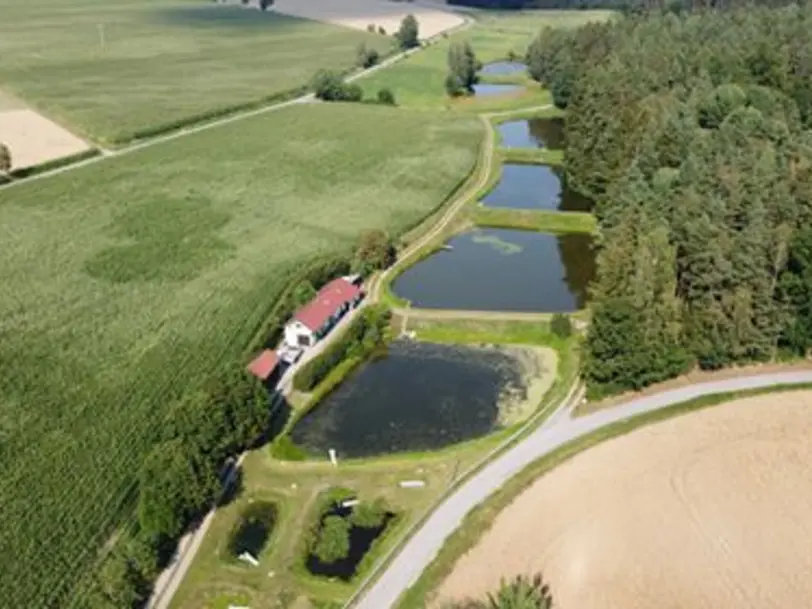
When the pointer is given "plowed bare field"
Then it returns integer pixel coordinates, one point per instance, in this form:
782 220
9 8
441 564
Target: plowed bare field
710 510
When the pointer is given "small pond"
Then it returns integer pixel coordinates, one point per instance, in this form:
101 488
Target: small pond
535 187
485 89
253 530
503 270
503 67
361 540
533 133
420 396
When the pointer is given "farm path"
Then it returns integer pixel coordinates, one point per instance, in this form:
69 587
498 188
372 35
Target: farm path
108 153
424 544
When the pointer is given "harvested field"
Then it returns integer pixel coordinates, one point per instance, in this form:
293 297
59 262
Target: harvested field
358 14
112 71
33 139
128 281
708 511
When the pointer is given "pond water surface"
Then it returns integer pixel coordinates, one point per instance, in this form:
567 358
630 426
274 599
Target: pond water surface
503 270
421 396
535 187
253 530
503 67
533 133
485 89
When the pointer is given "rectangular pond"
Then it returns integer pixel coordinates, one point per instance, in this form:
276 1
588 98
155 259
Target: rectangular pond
503 270
502 68
535 187
533 133
419 396
485 89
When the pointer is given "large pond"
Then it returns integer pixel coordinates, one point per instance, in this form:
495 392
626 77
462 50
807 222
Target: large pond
486 89
503 270
533 133
535 187
503 67
420 396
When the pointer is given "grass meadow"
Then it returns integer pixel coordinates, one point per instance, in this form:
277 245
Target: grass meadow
112 70
418 81
127 281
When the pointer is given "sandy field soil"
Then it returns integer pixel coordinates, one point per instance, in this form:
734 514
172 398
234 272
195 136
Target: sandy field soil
358 14
33 139
706 511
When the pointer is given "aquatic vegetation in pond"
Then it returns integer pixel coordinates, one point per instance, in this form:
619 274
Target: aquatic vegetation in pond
342 538
533 133
421 396
253 529
500 245
535 187
545 273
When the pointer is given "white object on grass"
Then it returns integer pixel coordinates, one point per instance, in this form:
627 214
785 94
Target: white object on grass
247 557
412 483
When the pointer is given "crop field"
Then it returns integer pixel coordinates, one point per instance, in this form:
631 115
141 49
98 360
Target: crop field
127 281
111 70
710 509
419 80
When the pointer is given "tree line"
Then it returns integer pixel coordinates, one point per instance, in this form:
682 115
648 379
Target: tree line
691 131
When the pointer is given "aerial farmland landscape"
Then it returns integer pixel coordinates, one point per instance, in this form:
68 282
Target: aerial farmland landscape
486 304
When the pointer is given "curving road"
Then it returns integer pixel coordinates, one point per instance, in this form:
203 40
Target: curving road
424 544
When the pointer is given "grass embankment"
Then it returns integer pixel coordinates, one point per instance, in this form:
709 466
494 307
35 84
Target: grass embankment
215 580
541 220
129 281
114 70
481 518
418 81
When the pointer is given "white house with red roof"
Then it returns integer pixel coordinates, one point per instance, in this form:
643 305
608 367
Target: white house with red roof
316 318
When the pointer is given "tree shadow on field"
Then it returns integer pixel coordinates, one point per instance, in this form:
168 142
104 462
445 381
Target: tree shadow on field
223 16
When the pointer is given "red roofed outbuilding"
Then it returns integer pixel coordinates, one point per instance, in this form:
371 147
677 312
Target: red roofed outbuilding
317 317
264 365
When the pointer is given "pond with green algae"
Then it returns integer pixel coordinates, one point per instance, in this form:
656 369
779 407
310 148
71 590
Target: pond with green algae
503 270
419 396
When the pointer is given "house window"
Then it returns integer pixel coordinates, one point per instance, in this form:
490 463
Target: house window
304 340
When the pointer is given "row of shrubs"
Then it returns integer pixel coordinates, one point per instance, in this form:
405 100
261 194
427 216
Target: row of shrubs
331 86
366 333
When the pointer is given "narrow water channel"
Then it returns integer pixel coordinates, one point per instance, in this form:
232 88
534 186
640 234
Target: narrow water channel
503 270
503 68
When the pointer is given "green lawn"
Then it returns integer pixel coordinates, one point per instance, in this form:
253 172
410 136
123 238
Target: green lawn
418 80
162 61
126 282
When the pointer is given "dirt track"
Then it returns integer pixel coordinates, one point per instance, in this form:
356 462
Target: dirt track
706 511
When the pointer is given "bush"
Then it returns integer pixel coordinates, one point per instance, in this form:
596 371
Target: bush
333 541
371 28
561 326
386 97
453 87
364 334
408 34
284 449
369 515
366 57
330 86
376 251
381 30
303 293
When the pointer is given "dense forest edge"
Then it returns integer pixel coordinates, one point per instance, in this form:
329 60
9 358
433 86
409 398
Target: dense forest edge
692 133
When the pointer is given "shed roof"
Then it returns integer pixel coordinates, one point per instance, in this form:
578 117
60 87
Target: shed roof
329 299
264 364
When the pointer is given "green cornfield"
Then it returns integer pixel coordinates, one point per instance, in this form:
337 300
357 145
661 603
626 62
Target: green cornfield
111 70
127 281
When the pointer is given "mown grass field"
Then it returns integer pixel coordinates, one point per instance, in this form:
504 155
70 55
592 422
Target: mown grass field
126 282
418 81
113 69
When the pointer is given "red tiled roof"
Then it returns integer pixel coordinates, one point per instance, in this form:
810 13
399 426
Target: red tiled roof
329 299
264 364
